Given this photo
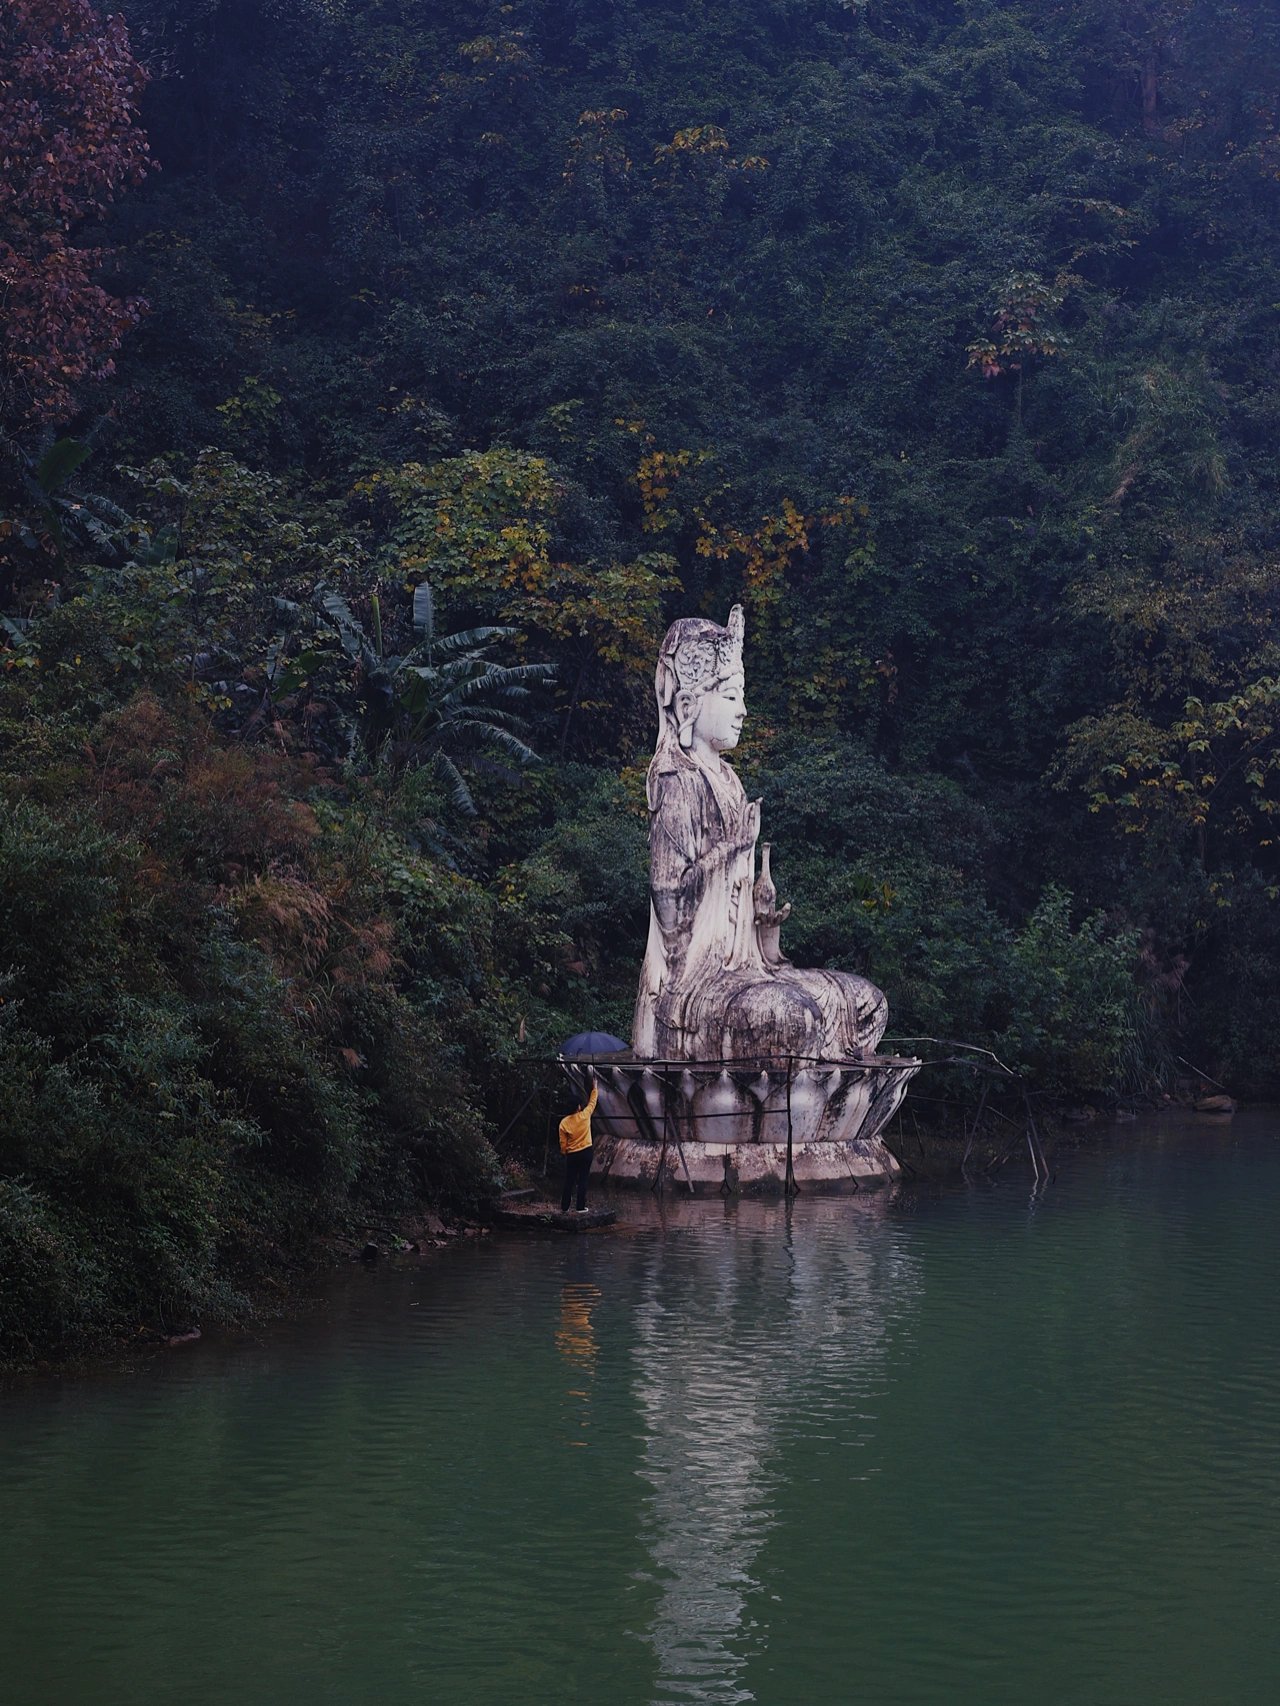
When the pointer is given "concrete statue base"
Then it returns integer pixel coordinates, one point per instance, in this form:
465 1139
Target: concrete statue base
706 1127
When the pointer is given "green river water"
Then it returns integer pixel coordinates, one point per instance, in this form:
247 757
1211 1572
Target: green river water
961 1446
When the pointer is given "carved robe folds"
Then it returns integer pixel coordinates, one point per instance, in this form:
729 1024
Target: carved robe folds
709 988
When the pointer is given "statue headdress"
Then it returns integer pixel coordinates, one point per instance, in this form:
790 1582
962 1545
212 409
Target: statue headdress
696 656
701 653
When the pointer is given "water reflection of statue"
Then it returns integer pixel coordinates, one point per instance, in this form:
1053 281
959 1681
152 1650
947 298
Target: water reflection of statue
768 1379
714 983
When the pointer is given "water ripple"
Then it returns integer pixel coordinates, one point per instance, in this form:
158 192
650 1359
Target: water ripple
980 1445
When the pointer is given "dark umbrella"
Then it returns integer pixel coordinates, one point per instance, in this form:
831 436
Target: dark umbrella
588 1044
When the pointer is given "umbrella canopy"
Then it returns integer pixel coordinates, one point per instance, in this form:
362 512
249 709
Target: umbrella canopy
588 1044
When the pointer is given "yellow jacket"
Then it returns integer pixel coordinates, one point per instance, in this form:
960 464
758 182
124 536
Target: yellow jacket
575 1128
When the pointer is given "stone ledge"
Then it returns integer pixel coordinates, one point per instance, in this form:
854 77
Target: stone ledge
748 1169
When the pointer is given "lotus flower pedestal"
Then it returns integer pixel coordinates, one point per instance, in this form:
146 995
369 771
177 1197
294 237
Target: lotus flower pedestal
751 1127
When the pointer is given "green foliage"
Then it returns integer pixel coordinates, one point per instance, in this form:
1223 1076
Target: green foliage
493 531
439 703
1075 1021
896 879
208 1059
574 907
59 463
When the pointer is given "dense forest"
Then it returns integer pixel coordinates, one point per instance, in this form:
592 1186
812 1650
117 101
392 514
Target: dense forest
379 377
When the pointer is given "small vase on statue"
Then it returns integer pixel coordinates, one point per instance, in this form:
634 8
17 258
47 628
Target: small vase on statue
769 920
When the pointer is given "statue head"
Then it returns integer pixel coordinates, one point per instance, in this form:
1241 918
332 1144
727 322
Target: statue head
700 683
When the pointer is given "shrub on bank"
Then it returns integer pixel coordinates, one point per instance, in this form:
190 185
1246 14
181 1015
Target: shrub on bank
207 1059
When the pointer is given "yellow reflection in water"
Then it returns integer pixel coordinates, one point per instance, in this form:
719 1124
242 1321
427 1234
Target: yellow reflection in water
576 1342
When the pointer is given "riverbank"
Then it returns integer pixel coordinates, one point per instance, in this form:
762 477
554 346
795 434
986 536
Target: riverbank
276 1295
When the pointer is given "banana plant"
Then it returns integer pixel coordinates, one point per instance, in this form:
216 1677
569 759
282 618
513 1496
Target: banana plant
64 514
445 702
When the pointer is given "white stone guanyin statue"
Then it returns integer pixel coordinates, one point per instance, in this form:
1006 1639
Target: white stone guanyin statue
714 985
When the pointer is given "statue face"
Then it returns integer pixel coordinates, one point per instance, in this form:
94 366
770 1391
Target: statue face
722 710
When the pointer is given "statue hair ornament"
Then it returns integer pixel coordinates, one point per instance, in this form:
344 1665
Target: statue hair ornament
705 654
696 656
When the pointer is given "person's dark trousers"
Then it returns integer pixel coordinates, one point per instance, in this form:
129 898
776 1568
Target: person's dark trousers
576 1168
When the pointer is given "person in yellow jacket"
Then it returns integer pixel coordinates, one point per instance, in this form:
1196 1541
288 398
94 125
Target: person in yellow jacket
575 1146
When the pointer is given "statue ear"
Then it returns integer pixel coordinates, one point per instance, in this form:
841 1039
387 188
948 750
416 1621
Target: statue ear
686 712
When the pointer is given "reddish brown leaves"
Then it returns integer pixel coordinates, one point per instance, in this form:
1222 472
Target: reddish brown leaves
69 143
